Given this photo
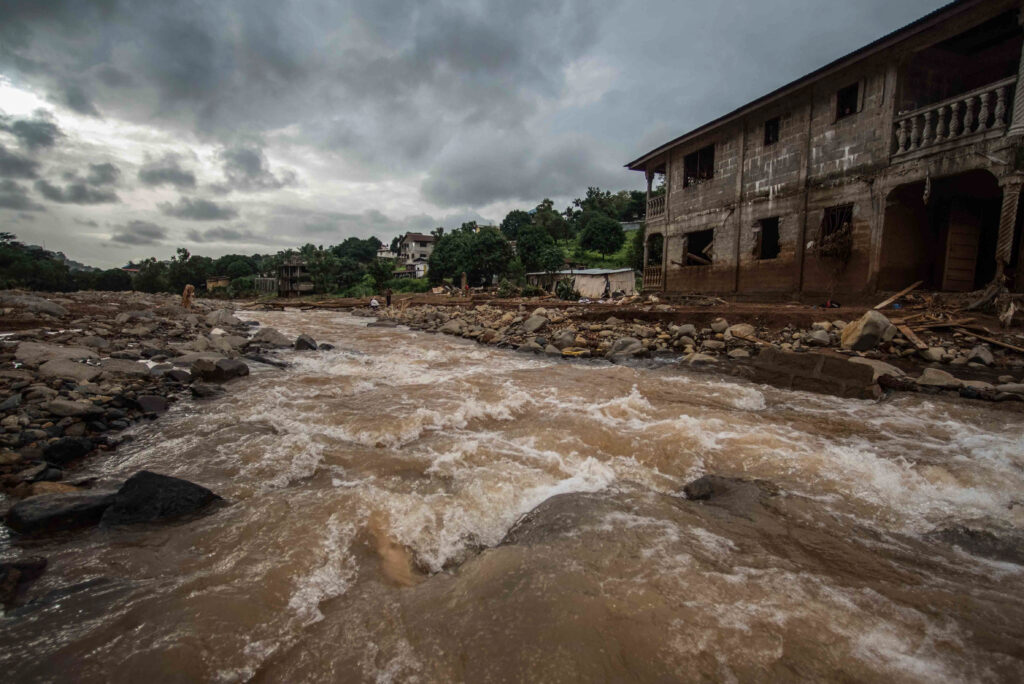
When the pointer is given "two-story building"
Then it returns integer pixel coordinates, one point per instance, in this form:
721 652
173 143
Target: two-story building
415 246
902 161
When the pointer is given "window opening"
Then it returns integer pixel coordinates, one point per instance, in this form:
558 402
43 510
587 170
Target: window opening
699 166
699 248
768 238
835 236
847 101
771 131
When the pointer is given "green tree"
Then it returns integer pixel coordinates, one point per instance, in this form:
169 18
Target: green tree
323 267
551 259
480 253
152 276
602 234
113 280
513 222
187 268
381 270
533 240
635 257
491 255
363 251
548 218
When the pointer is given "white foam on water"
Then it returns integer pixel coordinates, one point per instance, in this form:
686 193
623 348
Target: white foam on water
332 578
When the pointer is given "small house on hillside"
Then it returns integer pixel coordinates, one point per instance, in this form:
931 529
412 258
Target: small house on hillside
293 279
595 283
213 282
415 246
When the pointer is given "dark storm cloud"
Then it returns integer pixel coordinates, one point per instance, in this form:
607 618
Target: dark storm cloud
15 196
86 222
139 233
167 171
103 174
198 210
75 193
246 168
230 235
33 133
14 165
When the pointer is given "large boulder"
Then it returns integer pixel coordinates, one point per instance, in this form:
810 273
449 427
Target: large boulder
564 338
125 367
35 353
16 575
866 332
740 330
880 367
67 449
69 370
222 317
933 377
271 337
152 403
56 512
34 304
305 343
981 354
148 497
626 346
221 370
452 327
534 323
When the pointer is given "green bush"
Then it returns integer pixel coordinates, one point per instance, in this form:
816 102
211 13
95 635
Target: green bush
506 289
534 291
565 289
417 285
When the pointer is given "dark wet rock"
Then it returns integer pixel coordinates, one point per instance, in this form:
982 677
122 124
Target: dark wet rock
737 495
1007 547
54 512
219 371
67 449
261 358
178 375
12 402
271 337
324 346
150 497
17 575
382 324
223 317
42 472
152 403
305 343
125 367
202 390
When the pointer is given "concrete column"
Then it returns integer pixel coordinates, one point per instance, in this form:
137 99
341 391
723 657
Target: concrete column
1007 220
1017 118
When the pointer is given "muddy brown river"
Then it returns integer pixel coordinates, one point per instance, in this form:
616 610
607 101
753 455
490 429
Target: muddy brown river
418 508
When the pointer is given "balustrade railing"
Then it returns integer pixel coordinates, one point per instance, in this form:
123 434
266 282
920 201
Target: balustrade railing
654 278
656 207
979 111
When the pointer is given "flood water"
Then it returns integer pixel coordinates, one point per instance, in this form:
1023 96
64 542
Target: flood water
371 488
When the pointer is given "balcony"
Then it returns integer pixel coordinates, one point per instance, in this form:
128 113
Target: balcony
656 207
654 278
963 119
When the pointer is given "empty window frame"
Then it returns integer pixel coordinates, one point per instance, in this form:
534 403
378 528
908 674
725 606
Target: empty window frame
847 101
771 131
768 238
837 219
699 248
699 166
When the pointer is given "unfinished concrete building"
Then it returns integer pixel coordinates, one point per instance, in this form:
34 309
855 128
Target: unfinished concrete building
902 161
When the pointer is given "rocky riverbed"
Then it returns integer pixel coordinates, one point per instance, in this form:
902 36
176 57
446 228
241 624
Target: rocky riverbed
80 369
953 362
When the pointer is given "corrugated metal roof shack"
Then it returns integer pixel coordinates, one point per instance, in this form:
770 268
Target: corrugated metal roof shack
589 282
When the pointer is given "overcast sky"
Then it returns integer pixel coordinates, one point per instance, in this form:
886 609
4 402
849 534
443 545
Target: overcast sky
131 127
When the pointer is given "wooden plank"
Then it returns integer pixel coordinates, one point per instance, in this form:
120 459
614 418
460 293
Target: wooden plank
941 324
914 339
896 296
751 338
991 340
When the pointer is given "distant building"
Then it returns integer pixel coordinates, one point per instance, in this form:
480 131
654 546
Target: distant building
217 281
630 226
415 246
417 269
293 279
265 285
385 253
595 283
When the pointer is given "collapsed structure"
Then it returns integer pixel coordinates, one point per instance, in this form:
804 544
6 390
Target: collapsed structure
902 161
